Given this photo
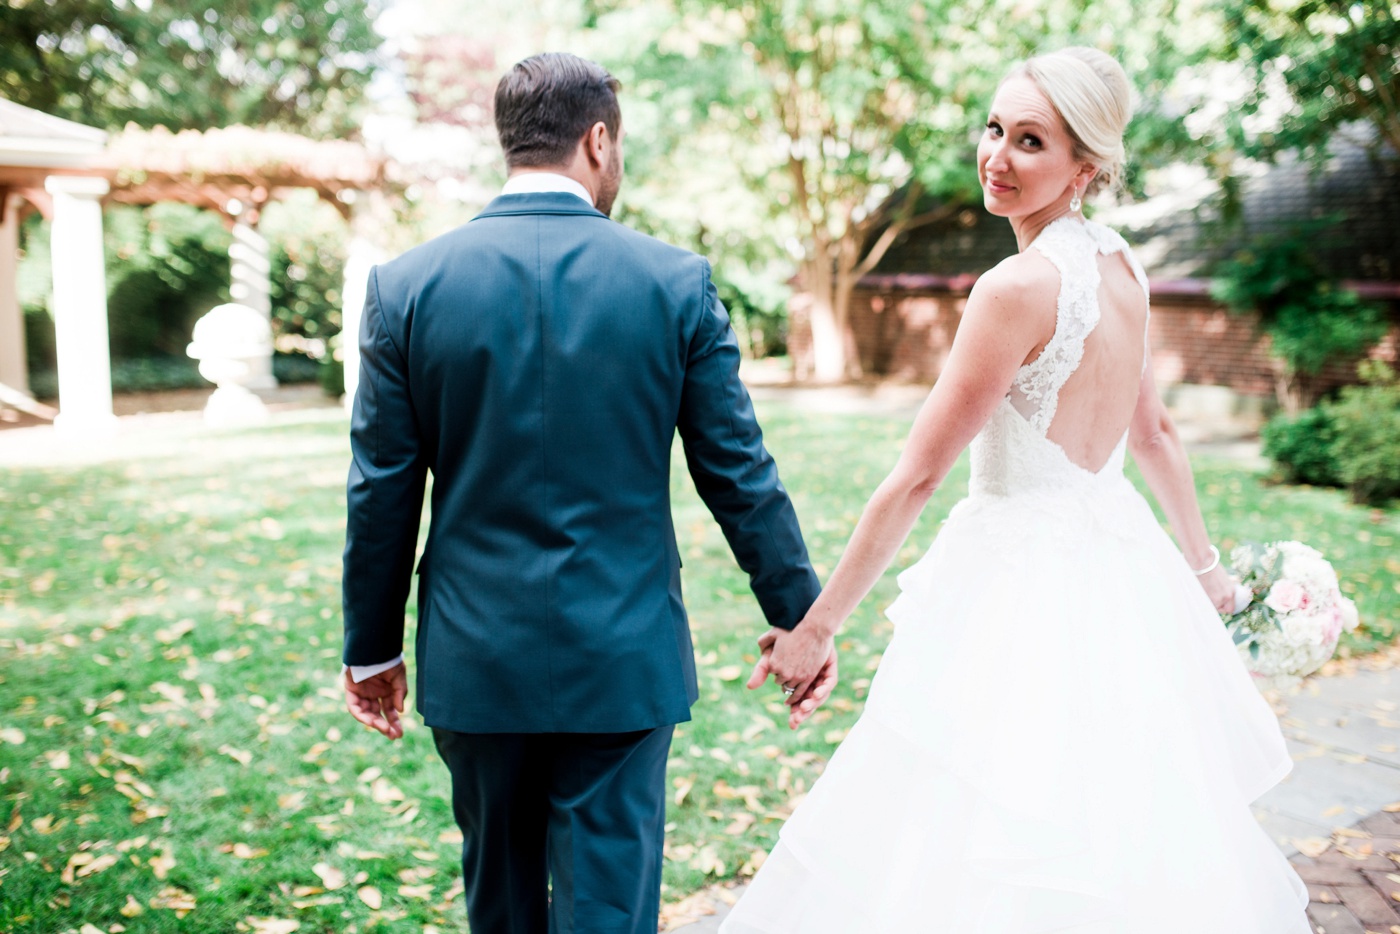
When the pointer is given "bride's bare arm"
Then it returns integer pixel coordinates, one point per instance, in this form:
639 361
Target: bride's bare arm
1010 313
1160 456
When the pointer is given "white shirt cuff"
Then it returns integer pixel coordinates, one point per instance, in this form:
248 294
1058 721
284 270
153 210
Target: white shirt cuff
360 673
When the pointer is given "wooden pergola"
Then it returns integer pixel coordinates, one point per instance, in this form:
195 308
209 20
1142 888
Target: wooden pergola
252 167
67 172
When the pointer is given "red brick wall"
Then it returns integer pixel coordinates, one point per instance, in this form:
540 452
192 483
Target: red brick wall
905 335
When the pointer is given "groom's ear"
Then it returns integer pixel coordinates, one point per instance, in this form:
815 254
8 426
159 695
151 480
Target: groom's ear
596 143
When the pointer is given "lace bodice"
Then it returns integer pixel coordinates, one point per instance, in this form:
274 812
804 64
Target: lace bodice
1012 453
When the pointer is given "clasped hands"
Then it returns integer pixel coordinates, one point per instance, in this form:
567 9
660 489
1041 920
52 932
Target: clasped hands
802 659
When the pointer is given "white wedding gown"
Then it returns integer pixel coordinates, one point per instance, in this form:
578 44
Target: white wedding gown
1060 737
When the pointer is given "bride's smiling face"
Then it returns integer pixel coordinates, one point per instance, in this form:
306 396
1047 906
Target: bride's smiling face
1025 159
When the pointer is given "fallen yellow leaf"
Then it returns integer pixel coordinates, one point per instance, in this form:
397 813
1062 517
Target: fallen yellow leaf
162 863
47 825
272 925
331 877
315 752
742 822
105 861
370 896
242 757
69 874
174 899
131 909
1312 847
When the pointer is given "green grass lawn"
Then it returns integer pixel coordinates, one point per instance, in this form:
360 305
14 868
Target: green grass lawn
174 751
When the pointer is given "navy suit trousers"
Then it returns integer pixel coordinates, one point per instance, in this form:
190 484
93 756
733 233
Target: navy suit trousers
562 832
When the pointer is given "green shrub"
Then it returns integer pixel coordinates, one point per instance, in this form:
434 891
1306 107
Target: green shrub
295 368
168 266
1366 419
147 374
332 376
1302 447
1310 319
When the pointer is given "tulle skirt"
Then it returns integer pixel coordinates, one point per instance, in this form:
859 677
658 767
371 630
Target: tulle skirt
1060 737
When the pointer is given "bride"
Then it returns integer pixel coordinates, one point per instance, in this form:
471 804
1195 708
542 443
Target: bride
1060 736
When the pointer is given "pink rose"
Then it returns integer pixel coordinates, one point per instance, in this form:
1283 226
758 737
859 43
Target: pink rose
1285 597
1334 625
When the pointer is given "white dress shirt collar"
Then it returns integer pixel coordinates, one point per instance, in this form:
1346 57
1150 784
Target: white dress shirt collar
535 182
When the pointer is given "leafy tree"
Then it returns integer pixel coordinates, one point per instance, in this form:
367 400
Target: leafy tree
295 64
1336 62
855 120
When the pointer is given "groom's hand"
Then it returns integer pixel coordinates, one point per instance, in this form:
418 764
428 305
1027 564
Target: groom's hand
803 659
378 700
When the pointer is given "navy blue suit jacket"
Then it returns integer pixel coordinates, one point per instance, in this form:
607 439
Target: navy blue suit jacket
539 361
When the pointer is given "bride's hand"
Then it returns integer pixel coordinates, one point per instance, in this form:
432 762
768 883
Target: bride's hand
801 659
1220 588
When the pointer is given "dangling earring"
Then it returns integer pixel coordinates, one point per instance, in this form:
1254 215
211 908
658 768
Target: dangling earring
1076 202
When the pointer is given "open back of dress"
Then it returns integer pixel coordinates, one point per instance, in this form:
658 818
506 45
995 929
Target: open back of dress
1080 392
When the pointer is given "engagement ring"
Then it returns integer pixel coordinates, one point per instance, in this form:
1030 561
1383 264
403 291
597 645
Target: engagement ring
788 692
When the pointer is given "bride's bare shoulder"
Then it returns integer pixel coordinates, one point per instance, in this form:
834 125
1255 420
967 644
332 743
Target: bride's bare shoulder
1024 286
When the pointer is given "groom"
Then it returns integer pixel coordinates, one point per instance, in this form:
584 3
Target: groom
539 361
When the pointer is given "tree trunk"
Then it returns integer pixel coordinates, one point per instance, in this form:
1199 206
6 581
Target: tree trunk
828 327
1295 392
841 306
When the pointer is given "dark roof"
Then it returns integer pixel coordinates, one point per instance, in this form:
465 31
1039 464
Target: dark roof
1175 233
972 241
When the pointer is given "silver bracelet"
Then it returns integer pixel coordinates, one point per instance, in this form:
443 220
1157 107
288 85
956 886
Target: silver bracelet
1214 562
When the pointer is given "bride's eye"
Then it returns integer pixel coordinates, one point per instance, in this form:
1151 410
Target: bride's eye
994 127
1032 141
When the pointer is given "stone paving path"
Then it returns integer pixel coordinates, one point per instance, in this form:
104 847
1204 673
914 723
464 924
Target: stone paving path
1355 885
1343 731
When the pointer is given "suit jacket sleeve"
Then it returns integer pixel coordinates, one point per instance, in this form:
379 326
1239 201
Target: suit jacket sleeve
734 473
384 495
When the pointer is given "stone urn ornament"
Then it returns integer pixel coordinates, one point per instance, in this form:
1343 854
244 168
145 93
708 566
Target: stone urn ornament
228 342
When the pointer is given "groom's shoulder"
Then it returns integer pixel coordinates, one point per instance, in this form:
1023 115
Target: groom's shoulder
643 246
591 229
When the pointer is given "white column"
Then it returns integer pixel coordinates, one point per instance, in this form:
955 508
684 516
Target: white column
80 306
250 268
360 259
14 371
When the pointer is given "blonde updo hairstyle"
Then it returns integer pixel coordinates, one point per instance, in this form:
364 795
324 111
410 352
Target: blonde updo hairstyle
1091 93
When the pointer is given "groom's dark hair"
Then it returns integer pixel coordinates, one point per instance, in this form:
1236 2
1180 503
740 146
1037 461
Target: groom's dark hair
545 105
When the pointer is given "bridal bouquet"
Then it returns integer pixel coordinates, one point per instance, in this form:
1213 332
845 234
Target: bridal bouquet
1296 610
